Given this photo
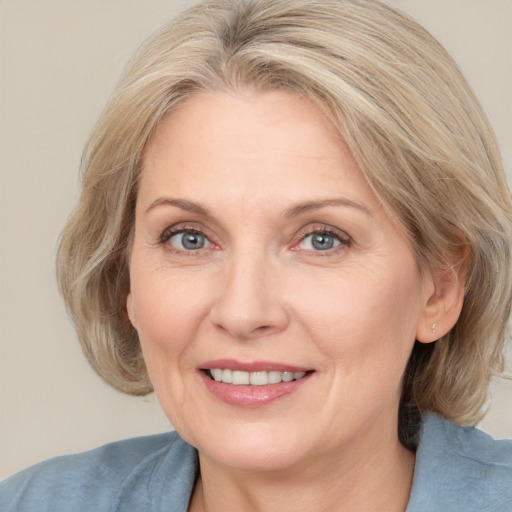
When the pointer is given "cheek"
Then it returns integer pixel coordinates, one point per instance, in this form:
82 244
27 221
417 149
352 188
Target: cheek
168 309
363 316
366 331
169 313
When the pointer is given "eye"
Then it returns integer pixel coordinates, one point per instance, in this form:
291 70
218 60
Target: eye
320 241
188 241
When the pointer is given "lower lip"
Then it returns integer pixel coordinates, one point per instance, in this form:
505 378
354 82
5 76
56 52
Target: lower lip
251 396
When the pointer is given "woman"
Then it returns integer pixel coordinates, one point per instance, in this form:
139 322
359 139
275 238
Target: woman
295 228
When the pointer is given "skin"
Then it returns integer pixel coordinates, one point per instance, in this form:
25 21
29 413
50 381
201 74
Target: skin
258 290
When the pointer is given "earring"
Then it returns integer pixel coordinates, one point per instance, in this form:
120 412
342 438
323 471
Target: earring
434 325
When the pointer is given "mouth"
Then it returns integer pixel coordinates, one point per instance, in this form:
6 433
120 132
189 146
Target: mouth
252 385
258 378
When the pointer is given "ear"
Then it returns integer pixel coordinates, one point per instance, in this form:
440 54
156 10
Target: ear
443 305
129 309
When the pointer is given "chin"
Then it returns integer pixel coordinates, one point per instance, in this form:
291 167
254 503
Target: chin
257 458
255 447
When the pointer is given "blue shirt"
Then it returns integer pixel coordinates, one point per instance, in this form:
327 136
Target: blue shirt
457 470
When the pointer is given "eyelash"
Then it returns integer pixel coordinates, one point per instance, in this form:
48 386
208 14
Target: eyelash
345 241
171 231
342 237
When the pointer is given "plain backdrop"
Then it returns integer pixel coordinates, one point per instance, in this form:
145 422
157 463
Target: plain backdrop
59 61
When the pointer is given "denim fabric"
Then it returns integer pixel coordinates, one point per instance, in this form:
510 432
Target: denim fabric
460 470
457 470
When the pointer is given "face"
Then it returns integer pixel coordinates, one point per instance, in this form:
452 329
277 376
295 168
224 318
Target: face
260 255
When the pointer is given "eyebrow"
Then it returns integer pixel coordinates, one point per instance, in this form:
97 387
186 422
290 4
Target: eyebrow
188 206
301 208
294 211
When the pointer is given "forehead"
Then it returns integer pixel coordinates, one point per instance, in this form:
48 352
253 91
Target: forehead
256 139
245 118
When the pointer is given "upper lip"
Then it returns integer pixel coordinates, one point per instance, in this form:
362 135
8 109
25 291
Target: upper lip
251 366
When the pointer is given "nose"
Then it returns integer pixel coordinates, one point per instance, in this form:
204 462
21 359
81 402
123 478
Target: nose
249 304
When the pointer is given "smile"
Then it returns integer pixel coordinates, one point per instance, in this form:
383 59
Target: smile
259 378
252 384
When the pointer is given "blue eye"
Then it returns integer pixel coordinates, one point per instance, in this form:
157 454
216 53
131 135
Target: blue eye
188 241
320 242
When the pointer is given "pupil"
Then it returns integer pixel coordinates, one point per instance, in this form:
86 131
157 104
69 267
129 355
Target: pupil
193 241
322 242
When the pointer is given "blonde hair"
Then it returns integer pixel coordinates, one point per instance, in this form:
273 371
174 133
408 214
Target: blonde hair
411 121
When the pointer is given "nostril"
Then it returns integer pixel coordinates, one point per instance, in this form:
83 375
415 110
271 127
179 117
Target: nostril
262 328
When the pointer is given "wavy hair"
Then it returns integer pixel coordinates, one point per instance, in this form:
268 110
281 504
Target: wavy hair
411 122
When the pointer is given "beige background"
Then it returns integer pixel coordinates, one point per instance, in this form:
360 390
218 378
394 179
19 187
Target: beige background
59 61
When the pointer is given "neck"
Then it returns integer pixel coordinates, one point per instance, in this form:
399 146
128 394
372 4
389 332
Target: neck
376 478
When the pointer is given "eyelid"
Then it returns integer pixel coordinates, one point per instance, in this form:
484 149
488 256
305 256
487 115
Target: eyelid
345 239
186 227
175 229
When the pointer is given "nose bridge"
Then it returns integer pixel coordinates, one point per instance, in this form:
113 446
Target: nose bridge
249 304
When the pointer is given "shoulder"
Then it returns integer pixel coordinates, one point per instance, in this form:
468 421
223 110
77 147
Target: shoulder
125 475
461 469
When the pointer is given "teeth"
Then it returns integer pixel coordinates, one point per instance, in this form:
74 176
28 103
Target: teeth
239 378
258 378
217 374
274 377
287 376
